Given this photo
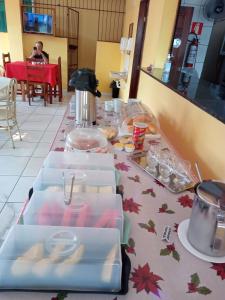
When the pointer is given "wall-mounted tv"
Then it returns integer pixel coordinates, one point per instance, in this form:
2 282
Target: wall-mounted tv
37 23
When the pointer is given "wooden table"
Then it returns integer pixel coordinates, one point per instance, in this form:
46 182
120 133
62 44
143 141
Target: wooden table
18 70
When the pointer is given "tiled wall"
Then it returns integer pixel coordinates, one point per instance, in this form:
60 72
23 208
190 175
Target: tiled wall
206 32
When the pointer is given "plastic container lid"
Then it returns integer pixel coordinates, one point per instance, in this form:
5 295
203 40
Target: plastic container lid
140 125
212 192
79 160
61 258
86 139
85 210
55 180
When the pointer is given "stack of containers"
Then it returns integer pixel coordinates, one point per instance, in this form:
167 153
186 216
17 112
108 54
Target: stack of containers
65 245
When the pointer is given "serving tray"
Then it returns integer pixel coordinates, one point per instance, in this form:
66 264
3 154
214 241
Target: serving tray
140 159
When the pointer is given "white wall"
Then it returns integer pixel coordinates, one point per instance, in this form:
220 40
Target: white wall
204 38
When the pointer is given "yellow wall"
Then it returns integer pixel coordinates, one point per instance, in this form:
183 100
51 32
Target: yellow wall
4 44
107 59
197 135
54 46
14 26
88 34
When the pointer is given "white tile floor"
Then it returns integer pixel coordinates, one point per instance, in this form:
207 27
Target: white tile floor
18 167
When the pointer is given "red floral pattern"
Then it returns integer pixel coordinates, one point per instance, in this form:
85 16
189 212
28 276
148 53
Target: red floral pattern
185 201
193 286
164 209
70 118
130 248
220 269
149 191
170 249
150 227
131 206
143 279
122 167
136 178
175 227
60 149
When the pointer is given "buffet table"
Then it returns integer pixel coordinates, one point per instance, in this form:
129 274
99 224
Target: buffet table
159 270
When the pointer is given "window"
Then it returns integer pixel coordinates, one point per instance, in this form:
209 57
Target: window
3 25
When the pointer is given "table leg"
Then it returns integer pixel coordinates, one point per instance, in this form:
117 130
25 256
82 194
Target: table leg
50 94
23 90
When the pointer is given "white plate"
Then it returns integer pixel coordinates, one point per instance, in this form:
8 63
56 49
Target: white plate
182 234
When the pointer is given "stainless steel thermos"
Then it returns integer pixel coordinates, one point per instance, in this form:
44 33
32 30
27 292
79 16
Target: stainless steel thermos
85 107
206 231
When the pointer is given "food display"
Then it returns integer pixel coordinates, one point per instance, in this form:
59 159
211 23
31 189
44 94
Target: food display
86 139
79 160
85 210
136 112
152 126
86 181
67 258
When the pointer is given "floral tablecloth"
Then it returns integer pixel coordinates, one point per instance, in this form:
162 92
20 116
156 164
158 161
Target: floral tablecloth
159 270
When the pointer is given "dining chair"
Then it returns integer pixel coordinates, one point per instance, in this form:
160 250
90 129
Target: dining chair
36 75
57 89
6 58
8 107
2 71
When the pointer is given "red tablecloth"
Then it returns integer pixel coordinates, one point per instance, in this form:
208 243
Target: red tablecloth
17 70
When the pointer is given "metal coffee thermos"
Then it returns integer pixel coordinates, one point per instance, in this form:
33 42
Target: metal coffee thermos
85 84
85 108
206 231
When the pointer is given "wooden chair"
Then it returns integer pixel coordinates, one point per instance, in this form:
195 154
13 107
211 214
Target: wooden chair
8 108
57 89
6 58
2 71
35 76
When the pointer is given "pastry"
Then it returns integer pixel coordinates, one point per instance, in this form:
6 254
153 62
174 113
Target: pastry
129 148
125 139
108 265
43 266
23 264
65 267
118 146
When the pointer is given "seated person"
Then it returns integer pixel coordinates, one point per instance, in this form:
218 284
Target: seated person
38 52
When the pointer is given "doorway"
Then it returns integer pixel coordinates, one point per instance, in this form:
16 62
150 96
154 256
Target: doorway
139 43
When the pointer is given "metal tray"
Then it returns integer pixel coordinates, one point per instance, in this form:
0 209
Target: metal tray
139 159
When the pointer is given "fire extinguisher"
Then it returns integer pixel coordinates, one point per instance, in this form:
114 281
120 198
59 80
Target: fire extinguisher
190 59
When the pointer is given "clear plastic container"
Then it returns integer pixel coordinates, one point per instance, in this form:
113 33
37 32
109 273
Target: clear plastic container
86 140
86 181
136 112
61 258
72 160
85 210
